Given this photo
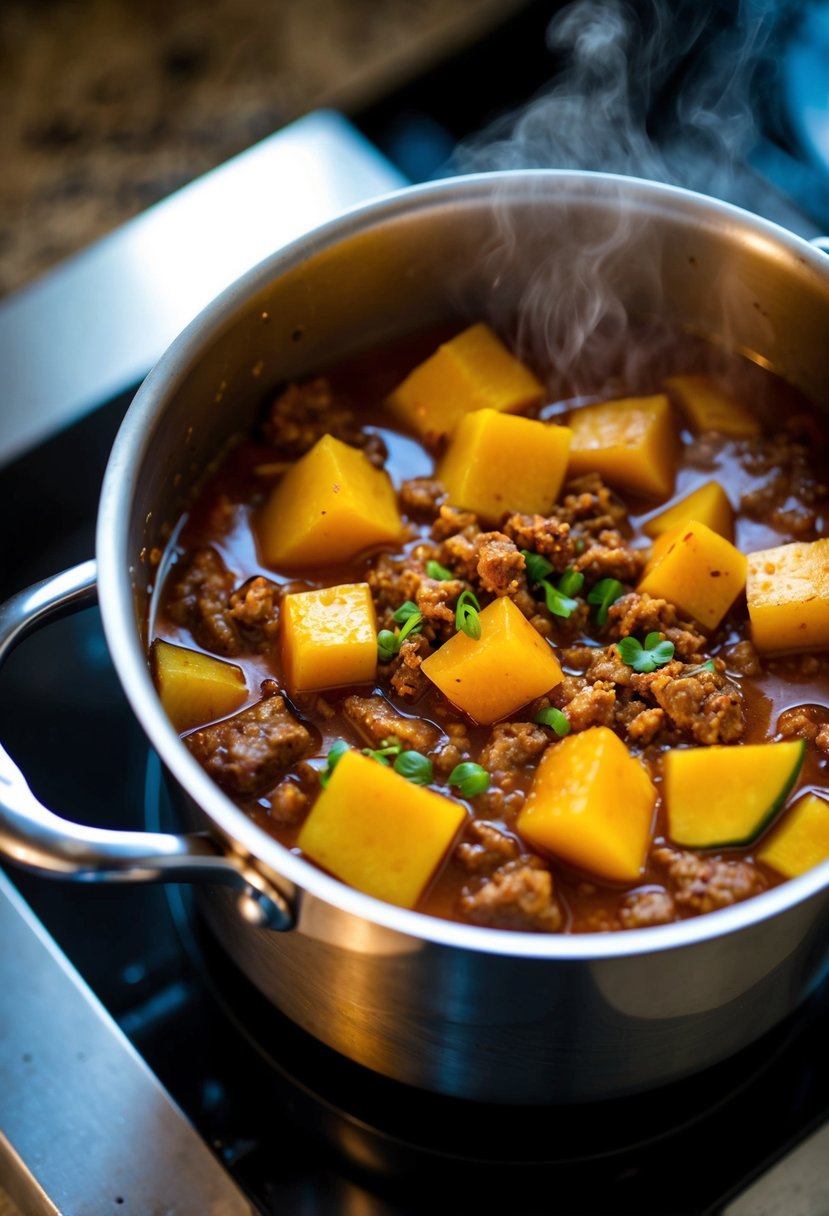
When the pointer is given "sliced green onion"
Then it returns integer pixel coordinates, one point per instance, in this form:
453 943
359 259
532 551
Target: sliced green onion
537 566
470 778
555 719
436 570
414 767
571 582
405 612
466 615
386 645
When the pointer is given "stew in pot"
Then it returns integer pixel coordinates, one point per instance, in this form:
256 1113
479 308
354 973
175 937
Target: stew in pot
481 647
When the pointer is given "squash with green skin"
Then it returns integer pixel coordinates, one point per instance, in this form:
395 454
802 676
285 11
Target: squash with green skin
723 797
801 841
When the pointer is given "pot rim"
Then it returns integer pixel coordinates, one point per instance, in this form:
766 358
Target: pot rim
116 566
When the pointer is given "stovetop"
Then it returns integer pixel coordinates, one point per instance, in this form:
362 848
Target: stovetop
294 1127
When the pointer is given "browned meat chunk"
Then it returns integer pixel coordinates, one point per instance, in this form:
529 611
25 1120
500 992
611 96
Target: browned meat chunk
641 909
500 566
701 706
289 802
485 847
303 413
802 721
742 658
248 752
789 496
610 556
376 719
518 895
512 745
641 614
454 749
255 609
421 496
592 506
199 601
586 705
407 680
544 534
704 884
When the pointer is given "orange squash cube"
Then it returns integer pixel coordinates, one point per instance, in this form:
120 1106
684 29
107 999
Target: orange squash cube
801 840
630 442
473 371
788 596
195 688
696 569
709 504
328 507
378 832
328 637
708 407
491 677
498 462
591 804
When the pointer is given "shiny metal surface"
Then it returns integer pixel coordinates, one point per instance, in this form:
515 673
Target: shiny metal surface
93 328
112 1140
462 1010
37 839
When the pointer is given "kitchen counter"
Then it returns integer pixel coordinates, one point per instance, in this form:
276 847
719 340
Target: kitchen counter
110 105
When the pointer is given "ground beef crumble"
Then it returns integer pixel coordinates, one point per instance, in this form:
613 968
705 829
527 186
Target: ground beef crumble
509 889
376 719
248 752
303 413
199 600
704 883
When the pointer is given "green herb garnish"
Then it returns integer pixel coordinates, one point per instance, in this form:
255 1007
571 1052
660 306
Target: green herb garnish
466 615
554 718
471 779
436 570
653 654
414 767
606 592
335 753
558 597
389 642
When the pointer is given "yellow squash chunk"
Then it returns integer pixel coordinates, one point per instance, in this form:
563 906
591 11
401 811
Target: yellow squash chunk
709 408
696 569
708 503
801 841
195 688
507 666
473 371
788 596
378 832
497 462
328 637
329 506
720 796
591 803
630 442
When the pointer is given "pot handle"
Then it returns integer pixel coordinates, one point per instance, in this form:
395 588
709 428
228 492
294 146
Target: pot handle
38 840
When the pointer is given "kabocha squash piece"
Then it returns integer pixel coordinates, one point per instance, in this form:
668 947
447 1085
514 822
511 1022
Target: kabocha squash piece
630 442
801 841
708 407
788 596
723 796
329 506
195 688
591 803
494 675
378 832
696 569
328 637
498 462
709 504
473 371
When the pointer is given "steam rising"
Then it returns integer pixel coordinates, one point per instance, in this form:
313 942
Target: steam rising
646 90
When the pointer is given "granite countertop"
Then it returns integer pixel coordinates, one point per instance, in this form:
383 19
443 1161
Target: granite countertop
109 105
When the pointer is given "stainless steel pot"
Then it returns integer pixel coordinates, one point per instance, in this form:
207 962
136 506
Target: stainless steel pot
461 1010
